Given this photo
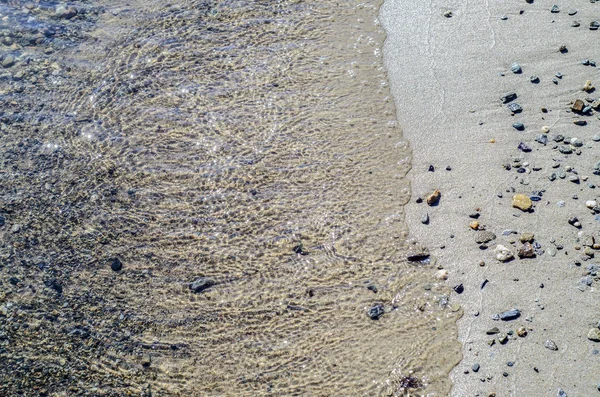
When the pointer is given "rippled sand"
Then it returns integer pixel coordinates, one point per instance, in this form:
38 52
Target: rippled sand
251 142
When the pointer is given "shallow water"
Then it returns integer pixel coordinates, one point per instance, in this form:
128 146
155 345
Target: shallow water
252 142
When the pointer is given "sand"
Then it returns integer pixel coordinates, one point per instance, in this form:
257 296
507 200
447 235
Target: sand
447 75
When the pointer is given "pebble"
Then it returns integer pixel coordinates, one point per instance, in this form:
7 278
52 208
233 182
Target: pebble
523 147
518 126
575 24
16 228
596 137
551 251
503 254
559 75
492 331
521 332
526 251
549 344
502 338
588 86
425 219
591 203
541 138
8 61
555 9
507 97
484 237
522 202
65 12
510 315
561 393
578 105
475 367
574 178
434 198
459 289
514 107
594 25
516 68
594 335
442 274
526 237
201 284
376 311
534 79
565 149
448 14
572 11
573 221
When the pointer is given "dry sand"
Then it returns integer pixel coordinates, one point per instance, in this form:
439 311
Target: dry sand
447 75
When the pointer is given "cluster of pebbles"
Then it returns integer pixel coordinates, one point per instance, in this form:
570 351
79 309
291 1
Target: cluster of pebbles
558 158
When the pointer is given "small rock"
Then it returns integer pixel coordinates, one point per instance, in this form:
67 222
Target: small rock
515 107
580 122
510 315
526 251
425 219
475 367
521 332
503 254
573 221
526 237
483 237
434 198
65 12
534 79
575 24
523 147
492 331
518 126
459 289
574 178
565 149
588 86
474 225
417 253
516 68
376 311
578 105
507 97
146 361
502 338
16 228
116 265
201 284
8 61
561 393
594 335
572 11
441 274
555 9
591 204
549 344
522 202
448 14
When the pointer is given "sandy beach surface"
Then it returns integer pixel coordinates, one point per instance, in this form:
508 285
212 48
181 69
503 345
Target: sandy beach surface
449 64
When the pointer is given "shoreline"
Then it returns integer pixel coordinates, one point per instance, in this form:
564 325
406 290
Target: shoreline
449 66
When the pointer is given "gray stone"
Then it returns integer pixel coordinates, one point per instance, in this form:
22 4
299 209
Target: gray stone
8 61
425 219
201 284
572 11
519 126
510 315
549 344
516 68
507 97
561 393
493 331
502 338
565 149
555 9
484 237
475 367
514 107
65 12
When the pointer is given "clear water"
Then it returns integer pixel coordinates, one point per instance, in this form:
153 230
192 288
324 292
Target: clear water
252 142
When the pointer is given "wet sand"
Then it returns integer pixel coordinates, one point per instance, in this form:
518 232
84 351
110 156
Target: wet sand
447 74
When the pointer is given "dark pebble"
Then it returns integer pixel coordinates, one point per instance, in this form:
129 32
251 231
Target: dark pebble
519 126
510 315
431 168
534 79
475 367
14 280
201 284
372 288
555 9
459 289
116 264
515 107
523 147
375 312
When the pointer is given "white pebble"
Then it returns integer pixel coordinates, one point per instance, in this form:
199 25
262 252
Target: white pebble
591 204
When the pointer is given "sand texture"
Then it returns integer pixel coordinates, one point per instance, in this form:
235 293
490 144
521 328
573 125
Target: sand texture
449 63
